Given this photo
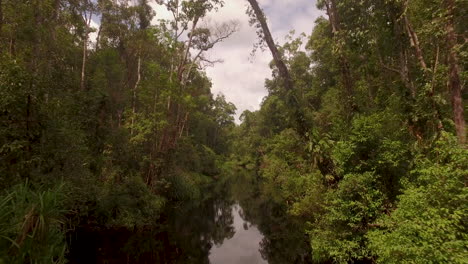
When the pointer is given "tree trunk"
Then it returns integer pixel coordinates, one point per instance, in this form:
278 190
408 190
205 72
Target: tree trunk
297 113
83 65
1 18
283 70
87 21
346 77
134 98
455 84
185 56
404 72
55 19
181 131
414 40
98 37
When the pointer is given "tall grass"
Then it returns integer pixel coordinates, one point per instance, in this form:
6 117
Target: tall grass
32 225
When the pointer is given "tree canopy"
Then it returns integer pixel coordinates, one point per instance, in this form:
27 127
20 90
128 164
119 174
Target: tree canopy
108 123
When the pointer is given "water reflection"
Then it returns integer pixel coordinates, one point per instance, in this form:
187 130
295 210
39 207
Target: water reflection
233 224
283 239
243 247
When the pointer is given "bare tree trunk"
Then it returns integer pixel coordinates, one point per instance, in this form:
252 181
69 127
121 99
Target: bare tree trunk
404 72
12 48
283 70
414 40
180 70
181 131
434 104
83 65
87 21
134 98
297 113
455 84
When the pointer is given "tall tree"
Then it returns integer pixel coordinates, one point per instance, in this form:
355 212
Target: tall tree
265 35
87 14
455 84
343 61
1 18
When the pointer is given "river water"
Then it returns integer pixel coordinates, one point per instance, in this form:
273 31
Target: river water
233 224
243 246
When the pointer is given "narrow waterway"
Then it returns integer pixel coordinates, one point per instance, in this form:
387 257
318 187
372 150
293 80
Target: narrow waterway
243 246
233 224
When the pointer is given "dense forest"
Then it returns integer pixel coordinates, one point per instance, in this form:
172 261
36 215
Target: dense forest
358 150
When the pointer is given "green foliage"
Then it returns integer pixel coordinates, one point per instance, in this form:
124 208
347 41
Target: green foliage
282 167
129 204
32 225
376 175
429 223
13 139
128 123
338 233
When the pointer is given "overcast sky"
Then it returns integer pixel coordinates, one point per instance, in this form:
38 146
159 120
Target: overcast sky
239 78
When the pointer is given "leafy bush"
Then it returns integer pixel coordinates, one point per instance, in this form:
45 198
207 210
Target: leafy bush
339 234
129 204
32 225
429 223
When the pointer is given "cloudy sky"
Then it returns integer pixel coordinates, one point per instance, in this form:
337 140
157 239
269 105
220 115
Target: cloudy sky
240 78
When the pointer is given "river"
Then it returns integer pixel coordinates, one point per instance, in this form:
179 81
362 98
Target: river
243 246
233 224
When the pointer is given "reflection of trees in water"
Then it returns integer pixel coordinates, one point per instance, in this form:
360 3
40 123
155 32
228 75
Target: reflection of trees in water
283 241
197 226
184 234
223 222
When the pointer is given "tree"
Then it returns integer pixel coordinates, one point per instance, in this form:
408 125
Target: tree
455 84
258 17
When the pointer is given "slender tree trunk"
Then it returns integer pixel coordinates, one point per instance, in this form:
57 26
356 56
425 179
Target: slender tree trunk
98 37
83 65
283 70
433 81
55 19
404 72
187 51
12 48
1 18
85 50
28 117
346 77
455 84
414 40
134 98
181 131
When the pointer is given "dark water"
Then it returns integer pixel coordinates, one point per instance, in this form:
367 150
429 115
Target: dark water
233 224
